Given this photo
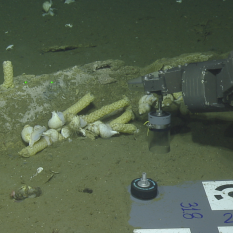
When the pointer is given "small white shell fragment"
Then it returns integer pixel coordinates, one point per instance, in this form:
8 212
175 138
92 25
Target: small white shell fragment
68 1
179 1
9 47
68 25
39 170
83 131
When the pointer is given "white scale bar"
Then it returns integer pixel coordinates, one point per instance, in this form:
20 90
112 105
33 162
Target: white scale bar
170 230
225 229
228 229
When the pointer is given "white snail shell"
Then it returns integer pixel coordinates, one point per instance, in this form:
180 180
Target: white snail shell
94 127
53 135
145 103
105 131
57 120
47 5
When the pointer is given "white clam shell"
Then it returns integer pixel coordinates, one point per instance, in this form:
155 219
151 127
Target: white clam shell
26 133
57 120
36 134
145 103
32 135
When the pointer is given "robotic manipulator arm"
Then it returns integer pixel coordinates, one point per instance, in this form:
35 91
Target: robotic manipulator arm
206 86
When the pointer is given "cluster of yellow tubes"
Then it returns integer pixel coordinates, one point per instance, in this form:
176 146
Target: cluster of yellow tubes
8 75
119 124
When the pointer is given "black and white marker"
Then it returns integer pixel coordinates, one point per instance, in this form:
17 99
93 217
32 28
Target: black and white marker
144 188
